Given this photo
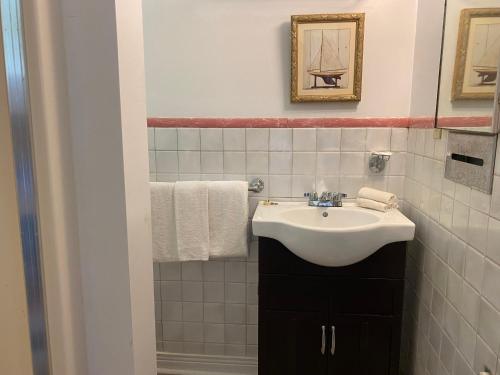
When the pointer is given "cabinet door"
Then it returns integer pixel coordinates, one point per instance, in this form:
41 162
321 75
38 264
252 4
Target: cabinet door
361 345
291 342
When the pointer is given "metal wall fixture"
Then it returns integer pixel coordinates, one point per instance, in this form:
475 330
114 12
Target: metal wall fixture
20 116
256 185
378 160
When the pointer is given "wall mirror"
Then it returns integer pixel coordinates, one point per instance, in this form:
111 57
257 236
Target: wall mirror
470 61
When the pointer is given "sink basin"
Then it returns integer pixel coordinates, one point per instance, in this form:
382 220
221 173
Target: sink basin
334 236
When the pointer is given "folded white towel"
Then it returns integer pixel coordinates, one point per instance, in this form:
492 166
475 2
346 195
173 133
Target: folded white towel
374 205
191 219
163 222
228 218
378 195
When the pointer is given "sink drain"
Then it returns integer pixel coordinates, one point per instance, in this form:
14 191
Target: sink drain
325 214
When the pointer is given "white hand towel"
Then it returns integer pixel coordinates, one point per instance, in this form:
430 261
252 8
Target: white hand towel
228 212
191 219
163 222
377 195
374 205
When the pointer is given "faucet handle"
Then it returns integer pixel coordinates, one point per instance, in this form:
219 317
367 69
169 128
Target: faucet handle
338 196
313 196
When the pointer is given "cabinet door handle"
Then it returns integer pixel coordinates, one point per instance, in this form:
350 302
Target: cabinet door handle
323 340
332 350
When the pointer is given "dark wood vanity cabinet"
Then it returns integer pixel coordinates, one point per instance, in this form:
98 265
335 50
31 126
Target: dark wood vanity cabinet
358 307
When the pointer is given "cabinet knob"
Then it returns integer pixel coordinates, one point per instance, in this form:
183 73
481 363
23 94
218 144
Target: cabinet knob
323 340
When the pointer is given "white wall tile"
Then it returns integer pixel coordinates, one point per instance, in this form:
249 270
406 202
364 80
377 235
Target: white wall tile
235 313
192 291
469 304
235 333
353 139
329 163
189 162
491 283
192 312
213 271
493 247
173 331
495 198
467 341
304 163
280 186
234 162
172 311
257 162
280 140
214 333
166 139
489 324
193 332
485 357
352 163
192 271
474 267
327 183
378 139
235 272
328 139
167 162
462 193
304 139
170 271
167 177
235 292
257 139
480 201
213 312
211 139
302 184
151 139
213 291
280 162
212 162
234 139
188 139
478 230
399 139
171 291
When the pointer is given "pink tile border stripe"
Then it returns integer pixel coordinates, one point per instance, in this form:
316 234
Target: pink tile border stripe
464 122
278 122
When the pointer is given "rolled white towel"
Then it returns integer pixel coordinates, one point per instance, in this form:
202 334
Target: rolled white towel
374 205
378 195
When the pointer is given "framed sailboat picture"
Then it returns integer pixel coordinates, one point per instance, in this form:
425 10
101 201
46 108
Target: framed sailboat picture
327 57
478 54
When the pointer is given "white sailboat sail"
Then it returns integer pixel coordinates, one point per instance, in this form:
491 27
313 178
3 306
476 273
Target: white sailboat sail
327 59
492 56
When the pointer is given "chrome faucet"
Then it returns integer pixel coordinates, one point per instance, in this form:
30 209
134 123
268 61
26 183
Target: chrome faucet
326 199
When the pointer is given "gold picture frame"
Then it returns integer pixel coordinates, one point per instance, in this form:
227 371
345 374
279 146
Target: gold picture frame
327 57
476 50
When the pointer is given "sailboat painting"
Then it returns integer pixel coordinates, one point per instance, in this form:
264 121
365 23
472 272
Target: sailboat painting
478 54
327 57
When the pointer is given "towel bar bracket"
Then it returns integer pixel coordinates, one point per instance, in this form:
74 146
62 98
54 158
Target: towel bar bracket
256 185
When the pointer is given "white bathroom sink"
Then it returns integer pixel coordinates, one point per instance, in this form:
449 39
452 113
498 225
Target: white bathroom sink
335 236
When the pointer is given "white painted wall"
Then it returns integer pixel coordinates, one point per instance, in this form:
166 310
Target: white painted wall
89 109
460 107
223 58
